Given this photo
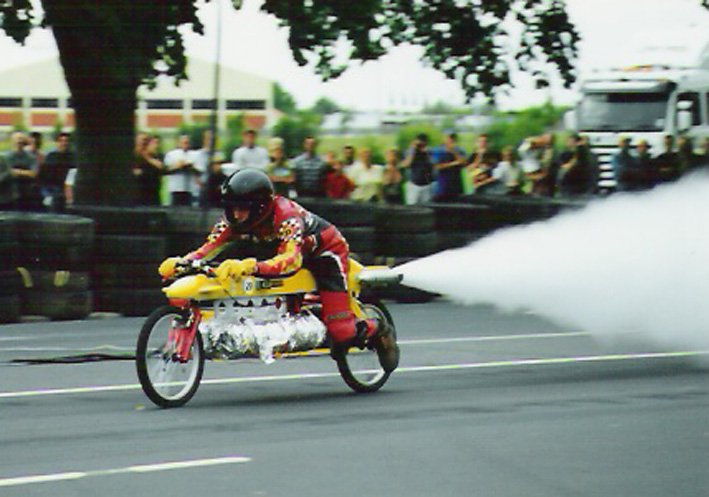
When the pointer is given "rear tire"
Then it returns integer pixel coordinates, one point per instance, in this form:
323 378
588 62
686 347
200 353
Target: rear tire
166 381
361 369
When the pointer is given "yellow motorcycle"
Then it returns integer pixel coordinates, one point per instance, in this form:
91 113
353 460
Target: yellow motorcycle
266 318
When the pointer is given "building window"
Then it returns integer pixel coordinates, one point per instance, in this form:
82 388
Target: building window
164 104
203 104
45 103
10 102
245 104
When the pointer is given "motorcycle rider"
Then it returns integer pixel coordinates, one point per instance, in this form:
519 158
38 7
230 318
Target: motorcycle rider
252 211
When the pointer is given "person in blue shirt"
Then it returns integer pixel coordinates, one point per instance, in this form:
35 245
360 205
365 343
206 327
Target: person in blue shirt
449 161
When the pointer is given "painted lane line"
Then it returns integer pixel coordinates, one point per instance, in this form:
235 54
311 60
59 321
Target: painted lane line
146 468
427 341
401 370
493 338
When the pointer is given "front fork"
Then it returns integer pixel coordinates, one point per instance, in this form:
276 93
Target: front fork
183 332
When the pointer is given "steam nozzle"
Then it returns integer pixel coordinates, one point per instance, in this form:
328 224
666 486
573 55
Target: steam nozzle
379 276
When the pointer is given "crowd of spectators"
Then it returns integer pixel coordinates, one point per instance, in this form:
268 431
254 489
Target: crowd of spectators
30 180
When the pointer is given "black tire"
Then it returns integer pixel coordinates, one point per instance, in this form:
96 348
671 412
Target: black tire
123 248
57 305
11 282
8 255
360 239
405 219
60 280
9 309
49 230
125 220
127 275
129 301
341 212
406 244
153 358
56 256
350 365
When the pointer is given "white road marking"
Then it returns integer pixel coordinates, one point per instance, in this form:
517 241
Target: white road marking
492 338
401 370
146 468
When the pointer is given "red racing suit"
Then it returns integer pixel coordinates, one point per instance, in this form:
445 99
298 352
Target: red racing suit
304 240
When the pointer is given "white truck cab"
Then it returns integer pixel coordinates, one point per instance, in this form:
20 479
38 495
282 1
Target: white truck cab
645 101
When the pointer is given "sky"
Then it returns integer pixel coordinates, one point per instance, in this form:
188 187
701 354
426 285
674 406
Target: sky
253 42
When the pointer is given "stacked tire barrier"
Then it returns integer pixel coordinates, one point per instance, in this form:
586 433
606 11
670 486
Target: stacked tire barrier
10 286
53 262
356 222
130 244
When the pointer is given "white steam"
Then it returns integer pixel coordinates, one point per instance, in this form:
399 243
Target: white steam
630 263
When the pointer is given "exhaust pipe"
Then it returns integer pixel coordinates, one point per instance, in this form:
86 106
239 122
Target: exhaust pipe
379 276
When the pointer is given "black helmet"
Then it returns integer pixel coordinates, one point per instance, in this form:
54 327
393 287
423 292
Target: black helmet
249 189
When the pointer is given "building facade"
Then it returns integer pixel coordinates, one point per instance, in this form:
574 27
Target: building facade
36 97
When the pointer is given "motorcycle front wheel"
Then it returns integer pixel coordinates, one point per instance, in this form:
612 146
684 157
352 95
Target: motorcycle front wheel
360 368
167 380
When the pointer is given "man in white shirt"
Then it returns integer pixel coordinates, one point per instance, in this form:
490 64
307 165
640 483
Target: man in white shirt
182 177
249 154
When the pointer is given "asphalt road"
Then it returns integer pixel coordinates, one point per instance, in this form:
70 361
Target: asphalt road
484 404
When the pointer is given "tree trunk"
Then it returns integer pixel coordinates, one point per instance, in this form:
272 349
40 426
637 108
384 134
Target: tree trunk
100 71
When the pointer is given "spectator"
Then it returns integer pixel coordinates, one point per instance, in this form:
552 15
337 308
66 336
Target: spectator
366 177
23 169
348 156
508 173
667 163
181 173
8 189
34 148
480 166
52 174
625 167
646 165
391 177
249 154
278 168
419 185
309 171
450 160
148 169
537 155
337 184
575 176
687 159
212 189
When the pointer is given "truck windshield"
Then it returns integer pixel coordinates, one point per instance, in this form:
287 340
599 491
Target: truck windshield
623 111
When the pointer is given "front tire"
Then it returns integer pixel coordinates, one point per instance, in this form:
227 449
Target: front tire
360 368
167 381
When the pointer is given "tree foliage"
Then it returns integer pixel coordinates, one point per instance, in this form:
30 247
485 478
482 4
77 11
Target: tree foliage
109 48
293 129
324 106
282 100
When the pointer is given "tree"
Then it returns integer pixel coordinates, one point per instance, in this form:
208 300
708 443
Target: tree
108 48
324 106
282 100
293 129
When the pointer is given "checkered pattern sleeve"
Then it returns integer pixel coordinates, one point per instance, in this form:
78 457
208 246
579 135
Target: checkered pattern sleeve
218 240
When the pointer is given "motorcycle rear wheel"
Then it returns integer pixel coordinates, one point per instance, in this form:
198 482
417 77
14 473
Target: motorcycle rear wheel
167 381
360 368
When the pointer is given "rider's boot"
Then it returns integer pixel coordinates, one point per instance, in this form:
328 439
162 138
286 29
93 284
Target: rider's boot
384 342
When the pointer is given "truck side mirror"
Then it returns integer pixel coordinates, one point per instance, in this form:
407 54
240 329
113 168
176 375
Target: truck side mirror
684 115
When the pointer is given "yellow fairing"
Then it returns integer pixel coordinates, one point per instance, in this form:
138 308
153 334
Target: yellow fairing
202 287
